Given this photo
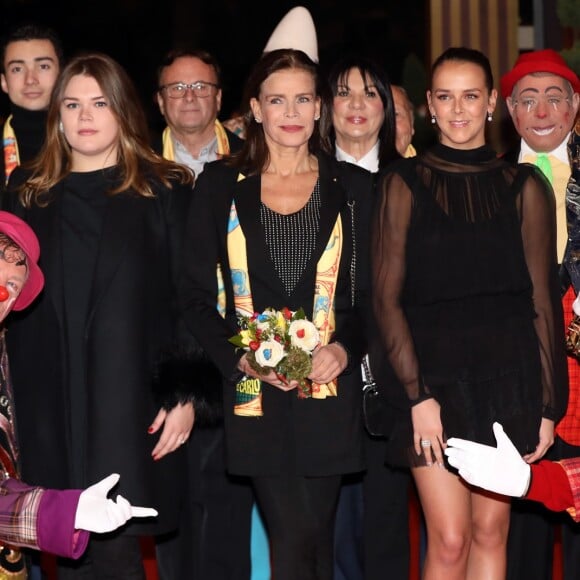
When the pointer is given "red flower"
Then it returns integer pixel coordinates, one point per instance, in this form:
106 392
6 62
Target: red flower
300 333
287 313
255 344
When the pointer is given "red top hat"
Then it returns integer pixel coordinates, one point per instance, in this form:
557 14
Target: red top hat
22 235
545 61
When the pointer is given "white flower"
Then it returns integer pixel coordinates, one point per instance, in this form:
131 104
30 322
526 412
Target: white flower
263 326
304 335
269 353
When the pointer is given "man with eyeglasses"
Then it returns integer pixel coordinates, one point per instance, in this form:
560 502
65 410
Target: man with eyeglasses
213 540
542 96
189 97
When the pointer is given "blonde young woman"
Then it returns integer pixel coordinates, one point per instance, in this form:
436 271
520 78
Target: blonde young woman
109 215
467 300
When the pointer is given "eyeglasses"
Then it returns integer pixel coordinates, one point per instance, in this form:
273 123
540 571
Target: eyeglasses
201 89
531 103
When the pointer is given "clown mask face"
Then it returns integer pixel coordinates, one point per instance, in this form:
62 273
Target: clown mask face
543 110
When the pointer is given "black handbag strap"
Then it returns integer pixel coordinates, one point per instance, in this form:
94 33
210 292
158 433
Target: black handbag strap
368 379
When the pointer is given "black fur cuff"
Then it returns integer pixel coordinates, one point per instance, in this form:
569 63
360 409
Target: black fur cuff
189 375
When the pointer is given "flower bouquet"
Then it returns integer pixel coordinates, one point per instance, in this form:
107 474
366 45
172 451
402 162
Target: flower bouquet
282 341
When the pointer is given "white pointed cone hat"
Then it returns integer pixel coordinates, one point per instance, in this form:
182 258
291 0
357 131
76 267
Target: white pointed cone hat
296 30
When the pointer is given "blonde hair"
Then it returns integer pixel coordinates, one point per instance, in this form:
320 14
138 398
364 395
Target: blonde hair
137 161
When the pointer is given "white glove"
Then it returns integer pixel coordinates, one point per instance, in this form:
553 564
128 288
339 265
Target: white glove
96 513
501 470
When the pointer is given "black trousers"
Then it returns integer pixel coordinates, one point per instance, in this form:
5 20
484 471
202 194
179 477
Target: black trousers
299 516
213 540
371 533
108 557
386 544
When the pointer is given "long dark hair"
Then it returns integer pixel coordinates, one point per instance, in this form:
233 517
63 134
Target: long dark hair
254 156
370 70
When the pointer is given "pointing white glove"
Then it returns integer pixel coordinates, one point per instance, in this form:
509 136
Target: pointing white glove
501 470
96 513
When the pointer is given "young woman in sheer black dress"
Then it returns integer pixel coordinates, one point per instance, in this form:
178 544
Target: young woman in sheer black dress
467 301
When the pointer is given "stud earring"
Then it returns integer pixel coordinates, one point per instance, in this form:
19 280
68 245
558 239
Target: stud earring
257 120
433 119
489 117
60 127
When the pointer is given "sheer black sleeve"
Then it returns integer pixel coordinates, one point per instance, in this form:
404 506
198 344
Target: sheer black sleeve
388 268
538 224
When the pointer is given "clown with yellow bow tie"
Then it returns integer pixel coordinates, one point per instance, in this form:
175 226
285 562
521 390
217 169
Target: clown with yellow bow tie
542 96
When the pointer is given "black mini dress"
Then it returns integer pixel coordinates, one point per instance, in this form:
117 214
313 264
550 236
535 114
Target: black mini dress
466 297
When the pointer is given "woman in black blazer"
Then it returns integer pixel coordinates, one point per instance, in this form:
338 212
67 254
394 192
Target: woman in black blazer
109 215
288 197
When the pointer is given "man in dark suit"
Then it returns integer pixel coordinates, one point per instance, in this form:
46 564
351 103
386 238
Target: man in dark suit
542 95
213 536
189 96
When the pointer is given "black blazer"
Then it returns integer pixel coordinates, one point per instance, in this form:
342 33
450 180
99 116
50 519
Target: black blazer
132 316
304 437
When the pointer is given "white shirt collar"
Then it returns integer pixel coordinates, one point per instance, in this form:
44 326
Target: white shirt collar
560 153
369 161
196 164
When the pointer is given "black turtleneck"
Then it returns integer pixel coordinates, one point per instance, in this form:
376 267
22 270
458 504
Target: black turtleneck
30 130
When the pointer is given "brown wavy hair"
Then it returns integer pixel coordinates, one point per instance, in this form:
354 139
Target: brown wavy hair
137 161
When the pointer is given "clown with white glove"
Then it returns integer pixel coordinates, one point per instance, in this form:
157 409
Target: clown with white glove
55 521
502 470
96 513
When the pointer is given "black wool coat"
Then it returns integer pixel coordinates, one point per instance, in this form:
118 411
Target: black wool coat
132 316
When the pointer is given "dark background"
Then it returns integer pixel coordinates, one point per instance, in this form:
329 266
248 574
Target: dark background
137 34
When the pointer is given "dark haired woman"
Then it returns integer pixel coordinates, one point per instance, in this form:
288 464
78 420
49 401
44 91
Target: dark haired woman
363 133
467 299
266 215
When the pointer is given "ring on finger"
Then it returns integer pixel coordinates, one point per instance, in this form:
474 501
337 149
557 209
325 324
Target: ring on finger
425 443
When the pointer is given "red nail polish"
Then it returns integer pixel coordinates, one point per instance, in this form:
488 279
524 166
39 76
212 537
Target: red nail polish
150 430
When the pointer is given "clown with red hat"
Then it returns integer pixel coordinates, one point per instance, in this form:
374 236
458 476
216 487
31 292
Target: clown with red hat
542 96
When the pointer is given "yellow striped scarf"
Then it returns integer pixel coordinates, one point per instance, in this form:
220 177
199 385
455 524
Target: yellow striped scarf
220 133
11 156
324 291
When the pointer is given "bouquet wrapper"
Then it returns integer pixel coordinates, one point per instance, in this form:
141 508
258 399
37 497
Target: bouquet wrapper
248 401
